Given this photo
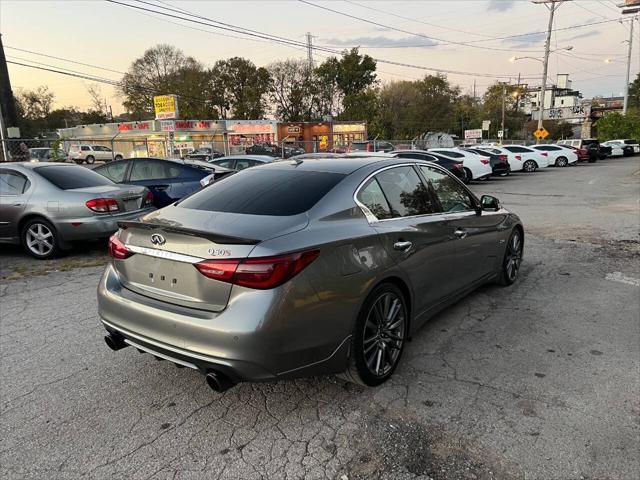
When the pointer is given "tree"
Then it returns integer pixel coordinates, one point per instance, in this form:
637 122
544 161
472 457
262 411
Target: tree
238 85
162 70
514 119
35 104
292 91
615 125
356 72
330 96
360 106
634 93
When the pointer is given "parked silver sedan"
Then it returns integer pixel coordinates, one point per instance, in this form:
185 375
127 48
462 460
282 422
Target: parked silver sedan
44 206
303 267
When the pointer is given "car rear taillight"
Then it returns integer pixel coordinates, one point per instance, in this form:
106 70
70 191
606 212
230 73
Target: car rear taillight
484 161
117 249
502 158
259 273
149 199
544 154
518 157
103 205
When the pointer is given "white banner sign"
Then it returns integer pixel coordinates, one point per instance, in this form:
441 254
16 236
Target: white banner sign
468 134
486 124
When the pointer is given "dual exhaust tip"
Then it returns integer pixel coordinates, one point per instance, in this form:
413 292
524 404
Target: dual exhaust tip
217 381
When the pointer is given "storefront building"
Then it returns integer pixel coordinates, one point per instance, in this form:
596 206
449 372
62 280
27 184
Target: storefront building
242 134
321 136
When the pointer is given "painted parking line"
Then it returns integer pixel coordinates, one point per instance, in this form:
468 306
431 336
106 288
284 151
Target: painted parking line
620 278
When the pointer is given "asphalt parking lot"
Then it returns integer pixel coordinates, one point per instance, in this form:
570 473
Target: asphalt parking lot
537 381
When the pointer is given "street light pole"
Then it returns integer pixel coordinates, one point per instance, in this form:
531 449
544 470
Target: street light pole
626 84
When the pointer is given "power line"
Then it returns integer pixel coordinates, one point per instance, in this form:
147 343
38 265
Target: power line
291 42
431 38
414 19
63 59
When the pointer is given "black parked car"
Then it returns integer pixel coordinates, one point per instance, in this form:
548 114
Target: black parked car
499 163
274 150
204 154
454 166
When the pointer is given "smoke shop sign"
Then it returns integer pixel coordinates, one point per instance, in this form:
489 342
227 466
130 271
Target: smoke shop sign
197 125
134 126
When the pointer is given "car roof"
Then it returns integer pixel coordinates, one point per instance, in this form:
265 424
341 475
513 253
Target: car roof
343 164
260 158
32 165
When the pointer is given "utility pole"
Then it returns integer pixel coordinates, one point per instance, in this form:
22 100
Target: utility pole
545 64
7 103
504 94
310 49
626 84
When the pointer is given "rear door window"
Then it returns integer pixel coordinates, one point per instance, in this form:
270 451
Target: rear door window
224 163
85 148
147 170
453 197
406 194
371 196
449 154
13 183
69 177
114 171
273 192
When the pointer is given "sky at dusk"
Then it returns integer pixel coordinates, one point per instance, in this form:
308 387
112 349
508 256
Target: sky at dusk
451 35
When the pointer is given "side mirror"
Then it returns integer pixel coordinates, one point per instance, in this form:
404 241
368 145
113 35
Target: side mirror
487 202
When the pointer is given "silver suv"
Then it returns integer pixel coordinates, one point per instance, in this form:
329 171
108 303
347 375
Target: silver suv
90 153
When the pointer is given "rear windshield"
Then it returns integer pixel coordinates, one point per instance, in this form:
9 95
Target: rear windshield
589 142
69 177
265 192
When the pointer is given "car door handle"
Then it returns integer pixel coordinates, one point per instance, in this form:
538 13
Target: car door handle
402 246
17 204
460 233
159 187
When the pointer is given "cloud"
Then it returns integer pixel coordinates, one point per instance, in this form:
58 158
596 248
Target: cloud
382 42
501 5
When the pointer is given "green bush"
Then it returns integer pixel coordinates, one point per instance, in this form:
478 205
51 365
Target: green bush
615 125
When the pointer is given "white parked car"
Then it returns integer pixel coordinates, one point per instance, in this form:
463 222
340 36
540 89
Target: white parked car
630 143
476 167
558 156
531 159
516 161
90 153
617 147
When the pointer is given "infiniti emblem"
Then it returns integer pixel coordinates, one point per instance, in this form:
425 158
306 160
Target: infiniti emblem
157 239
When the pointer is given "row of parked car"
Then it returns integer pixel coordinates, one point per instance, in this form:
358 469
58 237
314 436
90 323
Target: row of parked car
45 206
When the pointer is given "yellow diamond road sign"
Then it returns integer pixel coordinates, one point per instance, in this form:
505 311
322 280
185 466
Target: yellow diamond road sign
541 133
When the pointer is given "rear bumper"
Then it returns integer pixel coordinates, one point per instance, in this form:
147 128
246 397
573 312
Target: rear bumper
501 168
256 338
85 228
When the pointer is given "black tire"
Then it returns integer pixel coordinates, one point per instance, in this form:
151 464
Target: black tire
468 176
562 162
39 239
90 159
370 347
117 158
512 258
529 166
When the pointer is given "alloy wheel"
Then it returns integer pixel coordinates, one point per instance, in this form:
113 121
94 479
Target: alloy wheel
384 332
561 162
529 166
513 256
40 239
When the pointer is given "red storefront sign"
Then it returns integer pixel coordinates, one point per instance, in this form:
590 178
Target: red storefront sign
196 125
129 127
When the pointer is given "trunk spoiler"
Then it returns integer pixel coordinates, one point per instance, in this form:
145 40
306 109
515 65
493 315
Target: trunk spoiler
214 237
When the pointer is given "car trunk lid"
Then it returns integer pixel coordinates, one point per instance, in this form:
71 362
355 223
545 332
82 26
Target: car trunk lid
128 197
166 250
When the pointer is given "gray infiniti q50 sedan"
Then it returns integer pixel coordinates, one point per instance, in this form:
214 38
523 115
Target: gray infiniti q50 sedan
303 267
